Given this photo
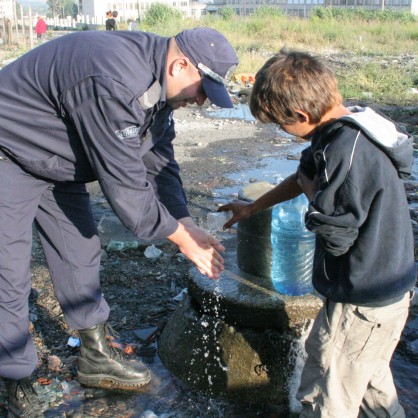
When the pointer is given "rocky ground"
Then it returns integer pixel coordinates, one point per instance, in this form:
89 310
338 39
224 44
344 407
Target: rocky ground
142 291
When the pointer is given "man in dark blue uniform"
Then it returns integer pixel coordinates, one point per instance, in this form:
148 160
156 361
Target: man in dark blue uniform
73 113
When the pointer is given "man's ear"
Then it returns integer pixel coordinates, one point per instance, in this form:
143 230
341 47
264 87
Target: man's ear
178 65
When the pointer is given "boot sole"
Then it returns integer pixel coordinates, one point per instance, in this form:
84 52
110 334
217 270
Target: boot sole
103 381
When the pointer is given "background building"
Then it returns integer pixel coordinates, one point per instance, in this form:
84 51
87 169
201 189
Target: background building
133 9
7 8
302 8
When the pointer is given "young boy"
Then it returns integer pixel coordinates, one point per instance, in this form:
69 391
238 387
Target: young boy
364 264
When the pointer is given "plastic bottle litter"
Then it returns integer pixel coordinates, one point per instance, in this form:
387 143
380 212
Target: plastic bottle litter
293 248
73 342
121 246
216 220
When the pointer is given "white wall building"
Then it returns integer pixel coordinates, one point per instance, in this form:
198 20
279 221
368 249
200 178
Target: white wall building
132 9
302 7
7 8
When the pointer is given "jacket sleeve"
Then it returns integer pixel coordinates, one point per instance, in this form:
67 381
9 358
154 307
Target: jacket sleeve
307 163
337 212
163 172
108 124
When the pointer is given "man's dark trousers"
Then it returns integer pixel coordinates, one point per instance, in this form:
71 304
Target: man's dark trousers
63 217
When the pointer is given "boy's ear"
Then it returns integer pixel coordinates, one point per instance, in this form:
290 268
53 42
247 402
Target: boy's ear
303 116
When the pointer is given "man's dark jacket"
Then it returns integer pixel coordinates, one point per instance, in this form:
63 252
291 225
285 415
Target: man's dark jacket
79 108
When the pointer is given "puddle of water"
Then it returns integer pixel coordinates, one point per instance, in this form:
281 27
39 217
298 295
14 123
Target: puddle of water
165 397
273 169
239 111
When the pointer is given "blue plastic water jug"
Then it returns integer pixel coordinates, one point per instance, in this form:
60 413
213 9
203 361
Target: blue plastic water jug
293 248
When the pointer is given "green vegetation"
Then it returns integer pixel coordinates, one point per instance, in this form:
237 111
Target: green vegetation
62 8
160 14
374 53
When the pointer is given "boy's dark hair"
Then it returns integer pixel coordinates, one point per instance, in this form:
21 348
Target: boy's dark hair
291 81
115 13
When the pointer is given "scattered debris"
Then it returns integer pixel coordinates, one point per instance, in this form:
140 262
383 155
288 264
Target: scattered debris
180 296
73 342
146 334
121 246
44 381
54 363
244 78
152 252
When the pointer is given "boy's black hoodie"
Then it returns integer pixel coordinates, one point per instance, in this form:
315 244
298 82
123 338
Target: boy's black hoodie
364 243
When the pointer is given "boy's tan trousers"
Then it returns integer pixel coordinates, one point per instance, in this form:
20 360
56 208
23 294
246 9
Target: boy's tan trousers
347 373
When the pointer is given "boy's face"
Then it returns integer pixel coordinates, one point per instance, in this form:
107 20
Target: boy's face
300 129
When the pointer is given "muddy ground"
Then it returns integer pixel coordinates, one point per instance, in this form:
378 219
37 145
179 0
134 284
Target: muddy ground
140 290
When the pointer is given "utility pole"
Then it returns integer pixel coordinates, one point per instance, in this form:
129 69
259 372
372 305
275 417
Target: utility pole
30 28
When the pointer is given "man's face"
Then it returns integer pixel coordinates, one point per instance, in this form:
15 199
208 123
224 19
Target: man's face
184 85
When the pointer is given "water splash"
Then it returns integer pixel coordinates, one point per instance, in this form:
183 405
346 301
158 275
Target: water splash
297 356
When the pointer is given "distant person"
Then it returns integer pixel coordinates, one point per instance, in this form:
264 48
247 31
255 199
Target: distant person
115 15
134 24
82 118
110 21
40 29
364 260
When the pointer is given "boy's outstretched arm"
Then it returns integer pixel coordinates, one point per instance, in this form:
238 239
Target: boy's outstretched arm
287 189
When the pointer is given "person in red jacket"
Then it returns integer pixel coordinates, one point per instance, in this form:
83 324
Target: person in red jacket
40 28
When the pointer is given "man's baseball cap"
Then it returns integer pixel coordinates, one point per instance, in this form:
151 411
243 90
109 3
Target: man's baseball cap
210 52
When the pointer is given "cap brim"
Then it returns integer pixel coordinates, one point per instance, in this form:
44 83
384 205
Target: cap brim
216 92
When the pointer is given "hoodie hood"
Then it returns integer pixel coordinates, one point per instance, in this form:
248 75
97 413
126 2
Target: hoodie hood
382 132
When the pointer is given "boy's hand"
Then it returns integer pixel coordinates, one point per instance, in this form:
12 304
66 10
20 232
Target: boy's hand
241 210
308 186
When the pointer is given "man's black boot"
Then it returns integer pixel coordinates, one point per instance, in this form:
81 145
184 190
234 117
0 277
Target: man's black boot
100 365
23 399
